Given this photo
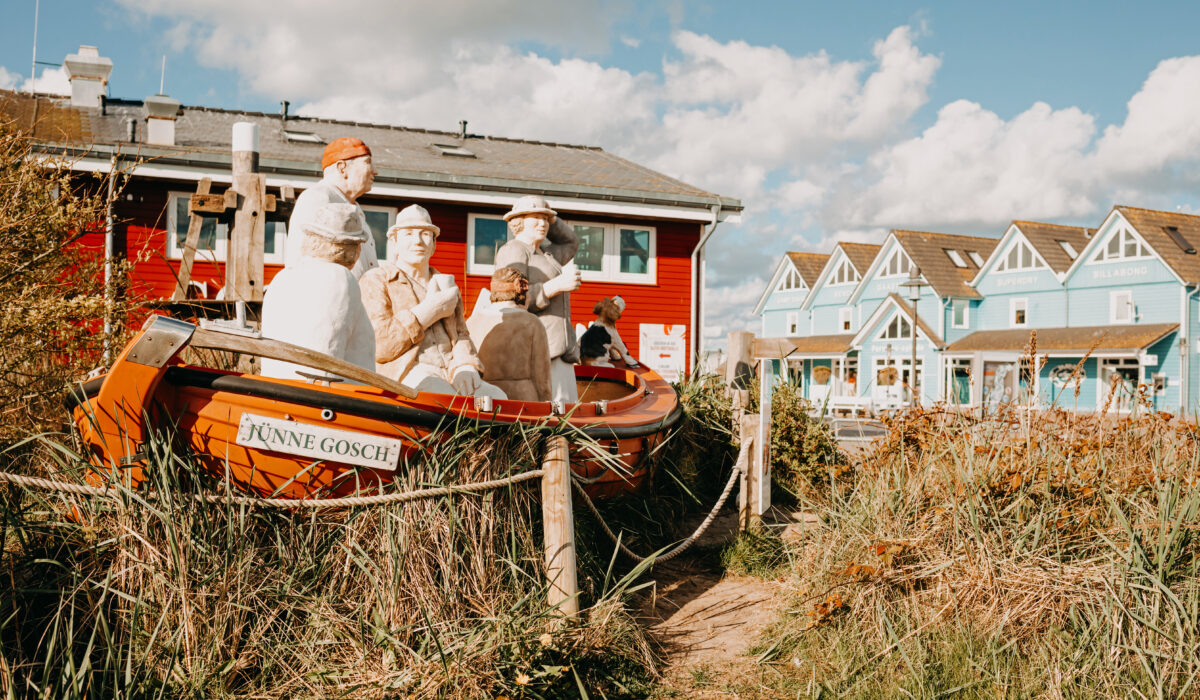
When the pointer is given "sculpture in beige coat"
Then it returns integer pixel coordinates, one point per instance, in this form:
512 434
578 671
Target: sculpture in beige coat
543 249
511 341
421 337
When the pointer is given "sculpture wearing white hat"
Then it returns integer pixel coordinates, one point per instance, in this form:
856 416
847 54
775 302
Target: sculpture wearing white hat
315 302
421 337
542 249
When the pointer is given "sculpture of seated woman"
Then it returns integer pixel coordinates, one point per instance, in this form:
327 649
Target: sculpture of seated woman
511 341
421 337
315 302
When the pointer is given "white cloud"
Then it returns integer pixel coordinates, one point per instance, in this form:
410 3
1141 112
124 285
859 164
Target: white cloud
1163 124
53 81
8 80
973 168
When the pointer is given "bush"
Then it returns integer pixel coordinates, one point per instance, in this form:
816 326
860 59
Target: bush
803 450
52 296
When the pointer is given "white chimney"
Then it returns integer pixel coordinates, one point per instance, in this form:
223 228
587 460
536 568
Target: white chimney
161 112
89 72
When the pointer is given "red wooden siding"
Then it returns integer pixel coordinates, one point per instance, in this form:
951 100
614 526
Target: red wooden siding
141 234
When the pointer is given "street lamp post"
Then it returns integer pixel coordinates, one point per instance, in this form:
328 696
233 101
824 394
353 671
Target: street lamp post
913 285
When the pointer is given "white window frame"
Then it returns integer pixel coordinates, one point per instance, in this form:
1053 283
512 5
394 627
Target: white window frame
610 268
793 323
385 254
1119 299
1123 235
955 305
1113 364
474 268
788 281
611 265
955 257
904 269
1013 304
851 273
898 320
846 320
1020 246
220 251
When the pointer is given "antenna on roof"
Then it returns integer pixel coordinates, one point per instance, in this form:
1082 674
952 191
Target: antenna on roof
162 78
33 61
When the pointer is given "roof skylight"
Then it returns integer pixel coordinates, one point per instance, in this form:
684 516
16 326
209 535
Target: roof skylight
1069 249
975 258
1173 232
955 257
450 149
301 136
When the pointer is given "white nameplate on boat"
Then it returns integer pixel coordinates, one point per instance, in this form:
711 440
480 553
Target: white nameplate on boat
318 442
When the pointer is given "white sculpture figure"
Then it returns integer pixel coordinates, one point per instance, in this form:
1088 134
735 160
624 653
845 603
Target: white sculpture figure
349 174
315 302
421 337
511 341
542 250
608 311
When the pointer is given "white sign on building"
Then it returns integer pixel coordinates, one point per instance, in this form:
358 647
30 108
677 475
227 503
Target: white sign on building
663 348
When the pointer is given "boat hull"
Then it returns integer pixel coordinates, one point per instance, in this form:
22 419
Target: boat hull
625 412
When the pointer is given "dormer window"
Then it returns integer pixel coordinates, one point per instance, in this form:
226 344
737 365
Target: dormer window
790 280
1122 245
1020 256
897 264
898 329
844 273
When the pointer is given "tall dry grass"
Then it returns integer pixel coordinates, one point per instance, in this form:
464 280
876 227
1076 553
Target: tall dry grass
1029 555
125 597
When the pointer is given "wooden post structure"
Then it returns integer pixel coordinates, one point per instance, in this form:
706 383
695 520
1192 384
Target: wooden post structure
745 355
244 264
558 523
245 207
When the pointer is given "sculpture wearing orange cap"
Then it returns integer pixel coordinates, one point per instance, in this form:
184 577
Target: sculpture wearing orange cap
348 175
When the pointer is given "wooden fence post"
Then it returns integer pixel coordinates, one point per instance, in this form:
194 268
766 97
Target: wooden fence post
748 513
558 523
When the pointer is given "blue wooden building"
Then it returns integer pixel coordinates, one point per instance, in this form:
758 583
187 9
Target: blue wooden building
1047 315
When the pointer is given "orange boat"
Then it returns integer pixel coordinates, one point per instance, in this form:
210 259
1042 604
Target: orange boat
288 438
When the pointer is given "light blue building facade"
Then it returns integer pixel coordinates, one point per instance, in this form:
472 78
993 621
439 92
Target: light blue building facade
1045 316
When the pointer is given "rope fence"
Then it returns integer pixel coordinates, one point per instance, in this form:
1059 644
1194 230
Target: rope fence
738 470
286 503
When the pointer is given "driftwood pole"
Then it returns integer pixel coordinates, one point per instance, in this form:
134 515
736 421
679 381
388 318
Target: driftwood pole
247 236
558 522
754 493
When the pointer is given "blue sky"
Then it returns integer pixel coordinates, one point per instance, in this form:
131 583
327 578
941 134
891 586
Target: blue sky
830 120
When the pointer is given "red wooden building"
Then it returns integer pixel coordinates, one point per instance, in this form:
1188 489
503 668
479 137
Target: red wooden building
640 229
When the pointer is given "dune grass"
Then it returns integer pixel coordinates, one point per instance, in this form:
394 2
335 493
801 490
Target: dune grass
1027 555
122 597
